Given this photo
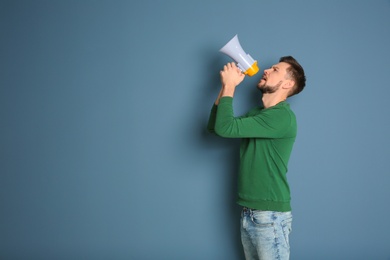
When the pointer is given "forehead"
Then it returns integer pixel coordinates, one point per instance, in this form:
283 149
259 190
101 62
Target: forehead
282 66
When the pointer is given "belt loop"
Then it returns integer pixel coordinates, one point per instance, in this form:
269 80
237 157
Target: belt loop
248 211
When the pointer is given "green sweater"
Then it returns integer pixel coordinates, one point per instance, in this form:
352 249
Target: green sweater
268 135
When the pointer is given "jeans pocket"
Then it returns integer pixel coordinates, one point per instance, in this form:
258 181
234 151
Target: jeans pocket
262 219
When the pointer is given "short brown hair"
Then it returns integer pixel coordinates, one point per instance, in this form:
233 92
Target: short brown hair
296 72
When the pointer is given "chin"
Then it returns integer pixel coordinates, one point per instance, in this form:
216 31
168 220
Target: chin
260 85
262 82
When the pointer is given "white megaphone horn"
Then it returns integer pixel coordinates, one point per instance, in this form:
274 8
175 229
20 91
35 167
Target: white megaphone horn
244 61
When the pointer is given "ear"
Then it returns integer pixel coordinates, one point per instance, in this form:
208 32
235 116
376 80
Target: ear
288 84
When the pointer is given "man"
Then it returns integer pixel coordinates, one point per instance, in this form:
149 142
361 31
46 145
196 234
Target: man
268 134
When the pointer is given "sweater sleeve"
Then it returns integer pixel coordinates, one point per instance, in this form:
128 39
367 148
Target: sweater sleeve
270 123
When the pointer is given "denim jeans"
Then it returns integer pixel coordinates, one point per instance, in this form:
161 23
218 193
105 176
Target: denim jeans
265 234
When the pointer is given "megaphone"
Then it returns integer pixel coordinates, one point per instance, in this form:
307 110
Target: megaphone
244 61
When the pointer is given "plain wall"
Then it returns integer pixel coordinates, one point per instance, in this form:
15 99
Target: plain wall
104 152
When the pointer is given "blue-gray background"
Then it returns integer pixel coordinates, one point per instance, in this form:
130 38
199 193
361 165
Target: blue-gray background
103 108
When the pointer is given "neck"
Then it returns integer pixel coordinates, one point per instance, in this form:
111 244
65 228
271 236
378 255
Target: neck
270 100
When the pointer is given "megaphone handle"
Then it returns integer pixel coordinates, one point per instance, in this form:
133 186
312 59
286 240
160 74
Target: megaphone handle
241 67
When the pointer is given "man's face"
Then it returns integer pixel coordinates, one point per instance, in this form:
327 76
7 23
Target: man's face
273 77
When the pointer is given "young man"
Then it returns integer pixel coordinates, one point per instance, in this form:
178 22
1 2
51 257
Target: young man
268 134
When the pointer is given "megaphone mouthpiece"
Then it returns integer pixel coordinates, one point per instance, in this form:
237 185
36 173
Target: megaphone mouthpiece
244 61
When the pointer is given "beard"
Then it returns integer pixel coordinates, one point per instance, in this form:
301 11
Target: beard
268 89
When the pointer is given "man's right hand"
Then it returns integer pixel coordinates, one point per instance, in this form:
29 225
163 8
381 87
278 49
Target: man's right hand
231 77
